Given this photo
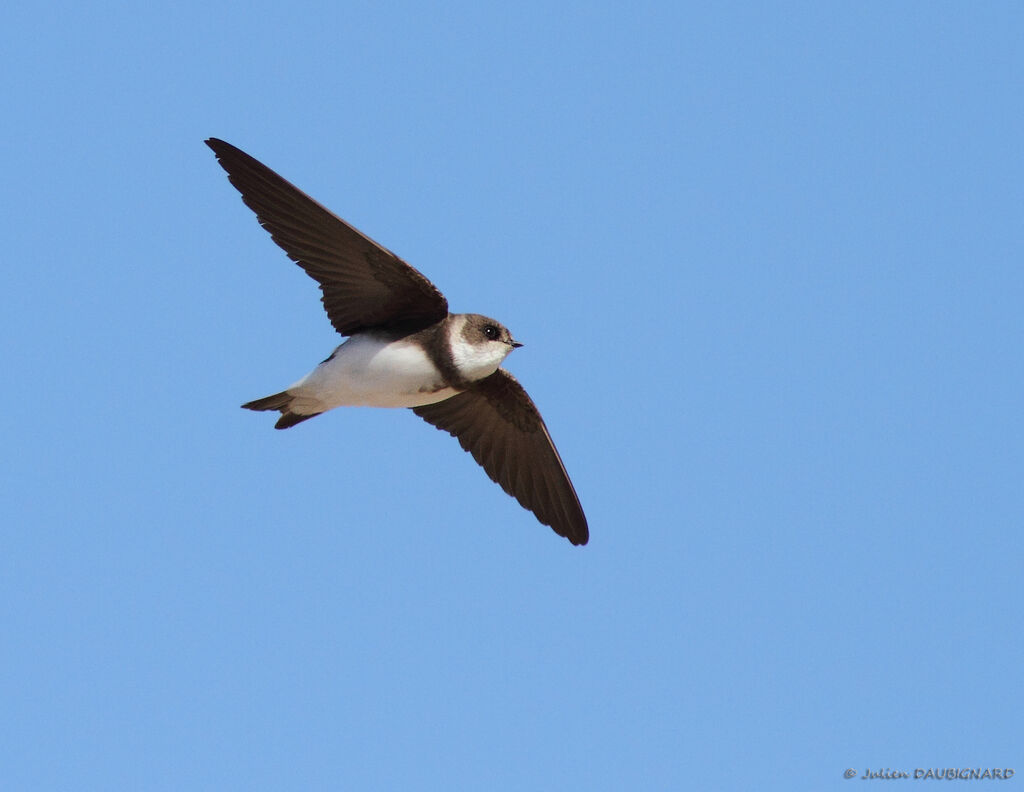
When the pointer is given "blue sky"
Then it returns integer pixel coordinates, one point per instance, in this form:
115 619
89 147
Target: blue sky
766 262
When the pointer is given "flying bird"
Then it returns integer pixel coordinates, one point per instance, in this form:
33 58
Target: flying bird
404 349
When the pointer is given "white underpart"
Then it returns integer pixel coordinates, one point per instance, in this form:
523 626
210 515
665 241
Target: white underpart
476 361
369 372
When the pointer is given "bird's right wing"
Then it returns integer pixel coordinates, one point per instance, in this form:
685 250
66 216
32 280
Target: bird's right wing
364 285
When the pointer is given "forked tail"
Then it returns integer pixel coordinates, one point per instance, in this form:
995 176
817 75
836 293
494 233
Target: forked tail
283 402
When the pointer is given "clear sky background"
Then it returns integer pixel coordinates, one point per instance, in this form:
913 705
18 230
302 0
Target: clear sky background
766 260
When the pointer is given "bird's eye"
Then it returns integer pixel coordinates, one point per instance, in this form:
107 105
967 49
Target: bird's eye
491 332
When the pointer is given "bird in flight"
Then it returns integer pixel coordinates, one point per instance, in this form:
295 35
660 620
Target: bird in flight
404 349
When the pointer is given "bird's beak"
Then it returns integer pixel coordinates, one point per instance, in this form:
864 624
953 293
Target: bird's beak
515 344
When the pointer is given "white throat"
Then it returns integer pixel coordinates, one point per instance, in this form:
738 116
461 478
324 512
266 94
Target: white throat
474 361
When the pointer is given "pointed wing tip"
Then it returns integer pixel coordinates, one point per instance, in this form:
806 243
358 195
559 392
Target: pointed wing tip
575 529
578 537
222 148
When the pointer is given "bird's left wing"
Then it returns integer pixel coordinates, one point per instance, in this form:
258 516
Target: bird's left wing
497 422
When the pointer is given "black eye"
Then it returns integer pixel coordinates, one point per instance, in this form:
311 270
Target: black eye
492 332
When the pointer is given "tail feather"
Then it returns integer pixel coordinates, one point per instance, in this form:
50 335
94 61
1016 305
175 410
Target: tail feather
280 401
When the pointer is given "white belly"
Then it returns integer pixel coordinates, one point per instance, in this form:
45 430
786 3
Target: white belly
368 372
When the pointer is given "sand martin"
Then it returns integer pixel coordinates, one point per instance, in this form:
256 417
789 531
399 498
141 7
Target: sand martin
404 349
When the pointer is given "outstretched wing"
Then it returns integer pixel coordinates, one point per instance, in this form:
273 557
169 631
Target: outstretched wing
497 422
364 285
